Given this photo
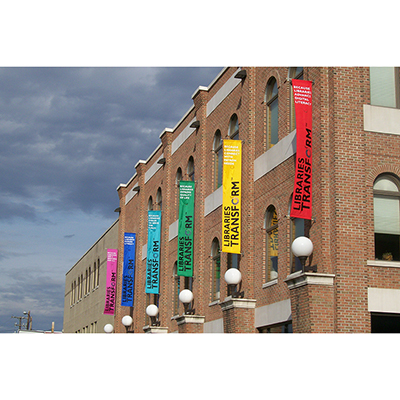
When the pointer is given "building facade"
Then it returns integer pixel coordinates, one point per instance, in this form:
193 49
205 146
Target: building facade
351 282
85 285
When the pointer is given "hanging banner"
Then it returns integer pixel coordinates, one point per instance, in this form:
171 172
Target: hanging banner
302 192
128 272
153 252
111 283
185 228
231 195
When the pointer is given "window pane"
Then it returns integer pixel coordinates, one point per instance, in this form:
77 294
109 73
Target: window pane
383 90
273 109
385 184
386 215
387 247
273 254
219 171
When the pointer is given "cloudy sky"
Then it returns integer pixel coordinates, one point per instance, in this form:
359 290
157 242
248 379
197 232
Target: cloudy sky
68 138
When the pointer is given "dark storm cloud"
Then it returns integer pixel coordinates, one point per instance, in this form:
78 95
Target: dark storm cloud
74 134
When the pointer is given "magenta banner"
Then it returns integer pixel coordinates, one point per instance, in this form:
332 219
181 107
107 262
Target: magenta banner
112 257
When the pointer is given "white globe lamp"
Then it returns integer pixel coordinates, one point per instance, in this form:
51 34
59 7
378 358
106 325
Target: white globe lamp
302 247
186 296
108 328
127 320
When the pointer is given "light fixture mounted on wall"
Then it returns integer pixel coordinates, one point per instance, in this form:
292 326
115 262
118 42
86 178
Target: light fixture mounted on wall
152 312
302 247
186 297
233 277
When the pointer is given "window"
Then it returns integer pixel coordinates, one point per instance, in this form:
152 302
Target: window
216 269
233 260
71 300
159 199
177 289
81 295
178 178
387 218
79 288
86 282
89 281
234 127
94 275
190 169
98 272
384 86
298 227
217 147
271 99
271 225
294 73
150 204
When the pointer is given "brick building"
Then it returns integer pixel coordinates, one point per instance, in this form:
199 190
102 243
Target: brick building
351 282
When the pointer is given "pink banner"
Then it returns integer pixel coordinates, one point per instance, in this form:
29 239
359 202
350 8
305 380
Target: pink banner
112 257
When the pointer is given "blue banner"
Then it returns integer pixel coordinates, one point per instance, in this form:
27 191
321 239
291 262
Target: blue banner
153 252
128 273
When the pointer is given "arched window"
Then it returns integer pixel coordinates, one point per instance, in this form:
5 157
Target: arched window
271 100
234 127
178 178
159 199
294 73
177 289
150 204
298 227
271 228
190 169
387 218
216 269
217 148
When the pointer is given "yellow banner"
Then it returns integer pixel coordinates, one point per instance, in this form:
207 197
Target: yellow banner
231 195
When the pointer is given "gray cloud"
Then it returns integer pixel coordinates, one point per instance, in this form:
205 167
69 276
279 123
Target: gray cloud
76 133
68 138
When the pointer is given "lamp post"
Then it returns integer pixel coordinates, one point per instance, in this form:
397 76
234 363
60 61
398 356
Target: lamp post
108 328
233 277
186 297
302 247
152 312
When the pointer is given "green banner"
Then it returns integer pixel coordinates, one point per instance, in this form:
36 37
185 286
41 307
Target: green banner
185 229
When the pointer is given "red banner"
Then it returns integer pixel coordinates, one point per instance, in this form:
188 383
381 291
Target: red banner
302 192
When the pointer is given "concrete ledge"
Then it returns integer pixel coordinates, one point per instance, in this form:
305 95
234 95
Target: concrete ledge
155 329
190 319
309 278
382 263
230 303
